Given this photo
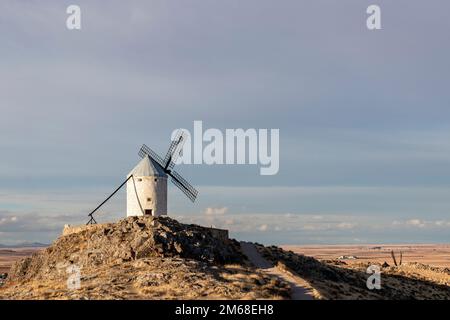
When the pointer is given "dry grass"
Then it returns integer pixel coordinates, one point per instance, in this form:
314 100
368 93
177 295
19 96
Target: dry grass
156 278
338 280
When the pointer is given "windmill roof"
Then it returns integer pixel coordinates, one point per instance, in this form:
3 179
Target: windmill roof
147 167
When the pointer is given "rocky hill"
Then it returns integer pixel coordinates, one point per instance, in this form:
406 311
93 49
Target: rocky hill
141 258
335 279
160 258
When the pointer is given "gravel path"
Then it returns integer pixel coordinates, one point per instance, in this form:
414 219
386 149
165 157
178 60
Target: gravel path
300 289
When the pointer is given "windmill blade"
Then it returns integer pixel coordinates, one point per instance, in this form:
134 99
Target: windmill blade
184 186
173 146
183 189
147 151
174 149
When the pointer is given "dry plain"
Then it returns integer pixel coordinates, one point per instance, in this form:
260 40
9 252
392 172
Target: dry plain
431 254
10 255
437 255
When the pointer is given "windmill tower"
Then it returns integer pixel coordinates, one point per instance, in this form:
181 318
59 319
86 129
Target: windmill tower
147 182
147 189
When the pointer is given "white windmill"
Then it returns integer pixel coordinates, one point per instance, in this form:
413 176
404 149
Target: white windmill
147 189
147 182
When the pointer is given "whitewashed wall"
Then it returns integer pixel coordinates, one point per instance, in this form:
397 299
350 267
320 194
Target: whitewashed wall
151 192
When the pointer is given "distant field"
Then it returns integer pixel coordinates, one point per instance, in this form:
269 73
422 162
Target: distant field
432 254
9 256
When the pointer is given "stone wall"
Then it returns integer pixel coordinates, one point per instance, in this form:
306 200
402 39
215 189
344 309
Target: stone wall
220 233
68 229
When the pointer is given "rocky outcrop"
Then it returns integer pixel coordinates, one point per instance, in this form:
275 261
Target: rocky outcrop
127 240
140 258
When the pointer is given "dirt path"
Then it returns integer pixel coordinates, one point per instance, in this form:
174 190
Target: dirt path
300 289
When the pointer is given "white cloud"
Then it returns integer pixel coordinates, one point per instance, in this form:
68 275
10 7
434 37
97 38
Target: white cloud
40 212
211 211
442 223
418 223
4 221
311 227
415 223
346 225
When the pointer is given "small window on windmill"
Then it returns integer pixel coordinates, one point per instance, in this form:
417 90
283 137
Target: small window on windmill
149 199
139 180
156 179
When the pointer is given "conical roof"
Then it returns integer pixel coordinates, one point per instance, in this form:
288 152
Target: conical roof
147 167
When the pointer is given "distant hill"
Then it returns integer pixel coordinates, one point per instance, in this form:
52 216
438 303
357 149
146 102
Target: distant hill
25 245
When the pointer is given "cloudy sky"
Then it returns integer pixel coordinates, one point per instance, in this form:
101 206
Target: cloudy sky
363 115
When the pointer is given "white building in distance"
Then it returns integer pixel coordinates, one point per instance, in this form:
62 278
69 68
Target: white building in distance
147 189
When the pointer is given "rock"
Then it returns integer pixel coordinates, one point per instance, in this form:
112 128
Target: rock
130 239
140 258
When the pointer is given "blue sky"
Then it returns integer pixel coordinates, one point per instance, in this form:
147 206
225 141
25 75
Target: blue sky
363 115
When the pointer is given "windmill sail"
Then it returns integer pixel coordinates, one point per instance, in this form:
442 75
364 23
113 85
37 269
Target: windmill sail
169 162
183 185
147 151
174 149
